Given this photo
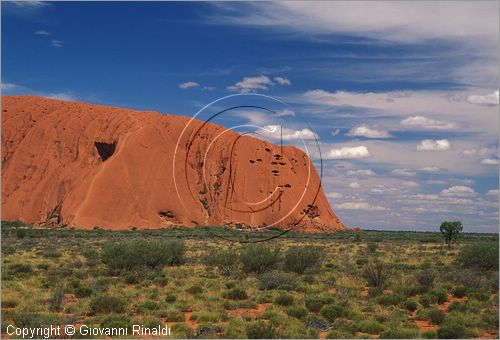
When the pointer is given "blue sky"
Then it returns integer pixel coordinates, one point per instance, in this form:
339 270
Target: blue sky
402 96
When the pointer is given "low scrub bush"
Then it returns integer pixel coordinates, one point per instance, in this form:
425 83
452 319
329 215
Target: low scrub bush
298 312
459 291
480 255
131 255
226 261
315 303
451 328
426 278
106 304
300 259
316 322
258 258
195 289
284 299
390 300
236 293
436 316
116 321
410 305
377 274
174 316
260 330
370 326
332 312
276 279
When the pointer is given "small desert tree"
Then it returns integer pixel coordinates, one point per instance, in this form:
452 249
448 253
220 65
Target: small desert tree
450 231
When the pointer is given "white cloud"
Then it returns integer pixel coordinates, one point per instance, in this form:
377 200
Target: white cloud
29 4
365 131
359 206
249 84
188 85
56 43
208 88
282 80
492 192
8 86
354 185
335 132
403 172
41 32
276 132
490 99
429 169
61 96
458 191
410 184
490 161
284 112
346 152
334 195
434 145
361 173
387 20
429 123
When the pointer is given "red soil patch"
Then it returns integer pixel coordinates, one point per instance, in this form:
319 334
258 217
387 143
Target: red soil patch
333 291
425 326
249 313
323 334
89 165
364 291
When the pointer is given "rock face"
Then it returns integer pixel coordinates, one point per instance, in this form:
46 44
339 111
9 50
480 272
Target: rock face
88 165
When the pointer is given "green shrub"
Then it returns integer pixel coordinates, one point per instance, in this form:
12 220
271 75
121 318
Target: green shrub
127 256
370 326
376 274
426 278
148 305
116 321
300 259
236 293
429 335
390 300
9 303
480 255
82 292
170 298
276 279
456 306
174 316
332 312
21 233
284 299
436 316
410 305
258 258
400 333
195 289
226 261
298 312
451 328
19 269
459 291
440 295
260 330
106 304
22 319
426 300
315 303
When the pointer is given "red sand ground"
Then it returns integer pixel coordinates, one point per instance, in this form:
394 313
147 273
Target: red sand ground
54 173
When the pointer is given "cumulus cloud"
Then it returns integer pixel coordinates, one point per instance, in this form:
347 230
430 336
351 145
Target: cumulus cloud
335 132
490 161
8 87
56 43
458 191
365 131
347 152
282 81
492 192
490 99
428 123
361 173
434 145
284 112
429 169
41 32
188 85
276 132
354 185
250 84
334 195
403 172
360 206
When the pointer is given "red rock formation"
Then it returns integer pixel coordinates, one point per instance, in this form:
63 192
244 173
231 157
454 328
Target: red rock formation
89 165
